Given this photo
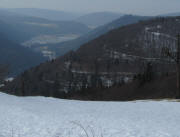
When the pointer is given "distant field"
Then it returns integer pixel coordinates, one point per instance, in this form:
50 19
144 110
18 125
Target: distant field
49 39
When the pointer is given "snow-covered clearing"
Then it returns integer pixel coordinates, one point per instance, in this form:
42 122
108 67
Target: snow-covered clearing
48 117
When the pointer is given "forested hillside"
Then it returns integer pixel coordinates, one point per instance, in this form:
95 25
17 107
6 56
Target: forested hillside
16 57
110 60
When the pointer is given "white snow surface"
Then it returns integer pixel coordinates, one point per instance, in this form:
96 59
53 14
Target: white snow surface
48 117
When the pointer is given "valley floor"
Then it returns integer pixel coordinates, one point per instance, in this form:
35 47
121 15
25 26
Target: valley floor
48 117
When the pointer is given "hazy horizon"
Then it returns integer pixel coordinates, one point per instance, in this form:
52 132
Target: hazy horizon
140 7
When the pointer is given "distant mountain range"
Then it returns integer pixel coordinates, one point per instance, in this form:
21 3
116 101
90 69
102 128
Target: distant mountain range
45 13
32 26
171 14
109 60
100 58
28 26
94 20
29 30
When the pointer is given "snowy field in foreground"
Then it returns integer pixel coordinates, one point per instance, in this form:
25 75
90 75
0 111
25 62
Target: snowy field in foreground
48 117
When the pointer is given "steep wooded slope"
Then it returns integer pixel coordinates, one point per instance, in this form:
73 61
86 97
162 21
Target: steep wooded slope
17 57
104 62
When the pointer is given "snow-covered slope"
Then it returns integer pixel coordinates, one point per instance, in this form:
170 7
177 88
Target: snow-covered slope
48 117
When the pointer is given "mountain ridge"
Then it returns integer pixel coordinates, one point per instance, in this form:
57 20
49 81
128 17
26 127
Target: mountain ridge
64 47
111 59
55 15
97 19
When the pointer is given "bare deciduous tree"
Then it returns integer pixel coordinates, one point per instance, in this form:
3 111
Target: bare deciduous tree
175 56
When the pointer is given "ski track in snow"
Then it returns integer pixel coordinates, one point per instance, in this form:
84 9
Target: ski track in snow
48 117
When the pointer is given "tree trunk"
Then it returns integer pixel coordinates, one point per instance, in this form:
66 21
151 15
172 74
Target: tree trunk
178 82
178 68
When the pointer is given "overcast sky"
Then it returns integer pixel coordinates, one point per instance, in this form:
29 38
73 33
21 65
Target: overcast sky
143 7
